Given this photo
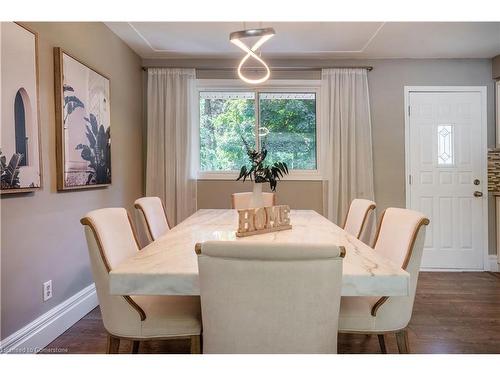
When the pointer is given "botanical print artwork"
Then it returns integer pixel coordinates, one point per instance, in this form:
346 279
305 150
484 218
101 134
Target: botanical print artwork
19 127
85 152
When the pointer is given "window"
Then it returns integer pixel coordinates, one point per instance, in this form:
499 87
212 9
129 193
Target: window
445 144
20 129
225 117
288 117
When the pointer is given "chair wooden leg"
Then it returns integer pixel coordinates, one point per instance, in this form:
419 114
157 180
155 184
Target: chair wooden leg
113 345
402 340
381 341
135 346
195 345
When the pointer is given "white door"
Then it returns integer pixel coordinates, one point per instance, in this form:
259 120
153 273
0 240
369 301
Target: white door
447 170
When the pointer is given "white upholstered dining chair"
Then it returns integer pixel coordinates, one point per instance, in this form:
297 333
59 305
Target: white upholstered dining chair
358 215
241 201
152 216
111 239
400 238
269 298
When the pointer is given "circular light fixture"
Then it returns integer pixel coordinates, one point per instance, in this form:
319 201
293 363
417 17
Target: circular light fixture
263 131
265 35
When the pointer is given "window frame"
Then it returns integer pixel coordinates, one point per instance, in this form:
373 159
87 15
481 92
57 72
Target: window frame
234 85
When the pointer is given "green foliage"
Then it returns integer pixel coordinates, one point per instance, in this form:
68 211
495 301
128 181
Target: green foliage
10 172
292 131
222 124
259 171
291 124
97 152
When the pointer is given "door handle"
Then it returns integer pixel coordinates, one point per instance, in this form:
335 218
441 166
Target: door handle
478 194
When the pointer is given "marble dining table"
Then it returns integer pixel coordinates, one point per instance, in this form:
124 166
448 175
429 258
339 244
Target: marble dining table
169 265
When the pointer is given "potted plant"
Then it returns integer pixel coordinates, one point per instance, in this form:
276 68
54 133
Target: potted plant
260 173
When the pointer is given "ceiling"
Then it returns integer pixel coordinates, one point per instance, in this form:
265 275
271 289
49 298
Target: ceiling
315 39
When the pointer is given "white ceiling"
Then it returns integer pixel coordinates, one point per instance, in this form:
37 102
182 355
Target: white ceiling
315 39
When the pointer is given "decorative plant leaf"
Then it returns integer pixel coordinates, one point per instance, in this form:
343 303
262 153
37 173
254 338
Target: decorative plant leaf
72 103
243 172
102 139
89 178
276 171
285 166
260 172
93 123
86 153
10 172
71 99
90 137
250 173
97 152
13 168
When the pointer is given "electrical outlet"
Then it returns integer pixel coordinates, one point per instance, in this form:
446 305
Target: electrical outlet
47 290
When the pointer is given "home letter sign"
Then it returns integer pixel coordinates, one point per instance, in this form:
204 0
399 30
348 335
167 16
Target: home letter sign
263 220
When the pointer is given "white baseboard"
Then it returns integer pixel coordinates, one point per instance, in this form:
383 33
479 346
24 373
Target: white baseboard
493 263
424 269
492 266
42 331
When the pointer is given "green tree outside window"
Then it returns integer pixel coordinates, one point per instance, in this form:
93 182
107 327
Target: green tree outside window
225 117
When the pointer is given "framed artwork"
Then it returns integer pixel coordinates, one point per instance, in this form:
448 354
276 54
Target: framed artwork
83 135
20 157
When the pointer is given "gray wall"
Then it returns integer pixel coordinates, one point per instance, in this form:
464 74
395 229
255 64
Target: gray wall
302 195
496 67
42 238
386 83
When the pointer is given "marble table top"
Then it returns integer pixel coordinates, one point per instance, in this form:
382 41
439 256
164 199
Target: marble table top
169 265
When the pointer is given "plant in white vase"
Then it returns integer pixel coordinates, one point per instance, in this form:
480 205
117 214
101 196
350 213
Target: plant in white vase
260 173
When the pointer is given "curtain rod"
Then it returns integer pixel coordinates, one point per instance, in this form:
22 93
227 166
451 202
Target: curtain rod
369 68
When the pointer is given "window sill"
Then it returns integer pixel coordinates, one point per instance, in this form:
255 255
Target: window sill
232 176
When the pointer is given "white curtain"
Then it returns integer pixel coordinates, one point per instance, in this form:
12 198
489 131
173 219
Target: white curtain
348 139
169 169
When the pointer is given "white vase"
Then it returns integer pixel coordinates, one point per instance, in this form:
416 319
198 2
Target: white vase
257 199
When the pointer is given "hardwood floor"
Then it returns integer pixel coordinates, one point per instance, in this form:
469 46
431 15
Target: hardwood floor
454 312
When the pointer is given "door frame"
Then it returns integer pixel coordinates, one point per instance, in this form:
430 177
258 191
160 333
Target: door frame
484 165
